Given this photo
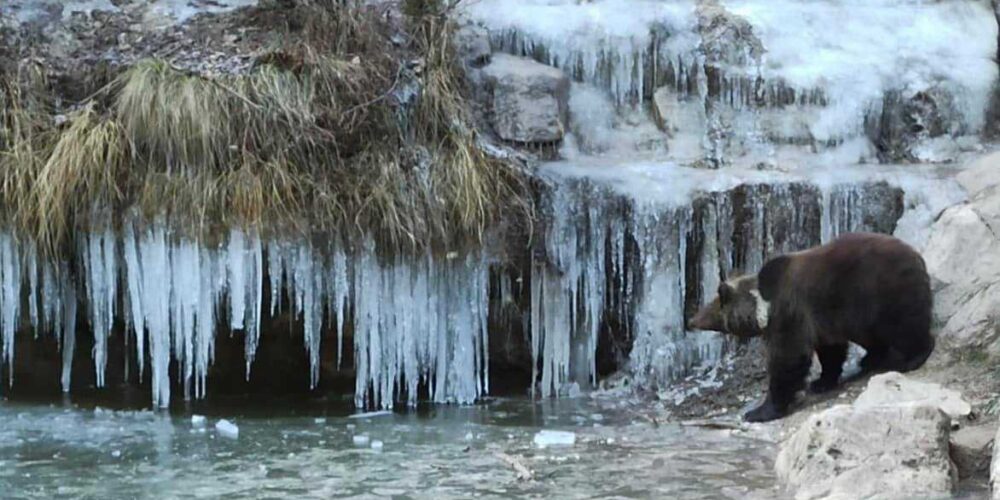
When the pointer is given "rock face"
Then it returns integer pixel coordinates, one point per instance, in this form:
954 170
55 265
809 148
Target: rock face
895 389
473 45
963 257
896 451
910 120
529 100
892 442
971 449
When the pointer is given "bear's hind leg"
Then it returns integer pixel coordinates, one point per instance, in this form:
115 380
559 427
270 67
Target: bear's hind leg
909 342
831 358
786 377
909 357
875 358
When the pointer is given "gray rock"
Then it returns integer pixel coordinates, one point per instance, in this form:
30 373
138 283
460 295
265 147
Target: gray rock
894 388
885 452
963 256
727 39
530 100
472 42
910 121
971 450
981 180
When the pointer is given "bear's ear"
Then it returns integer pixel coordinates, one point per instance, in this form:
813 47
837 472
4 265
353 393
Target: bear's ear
770 276
726 292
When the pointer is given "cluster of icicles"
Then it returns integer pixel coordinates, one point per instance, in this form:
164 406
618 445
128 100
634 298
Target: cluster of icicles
414 321
419 325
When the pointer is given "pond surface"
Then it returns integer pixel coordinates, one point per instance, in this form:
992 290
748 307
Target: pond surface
321 451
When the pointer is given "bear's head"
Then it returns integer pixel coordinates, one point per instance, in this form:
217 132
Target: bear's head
743 304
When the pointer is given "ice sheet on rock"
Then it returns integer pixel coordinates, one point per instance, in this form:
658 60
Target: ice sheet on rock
809 88
605 43
880 46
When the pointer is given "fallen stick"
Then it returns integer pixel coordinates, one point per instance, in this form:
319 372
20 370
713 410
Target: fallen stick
713 424
523 473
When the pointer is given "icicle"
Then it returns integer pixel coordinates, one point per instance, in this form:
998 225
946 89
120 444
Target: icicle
68 339
133 285
33 288
10 298
339 297
307 284
237 279
255 299
208 296
101 277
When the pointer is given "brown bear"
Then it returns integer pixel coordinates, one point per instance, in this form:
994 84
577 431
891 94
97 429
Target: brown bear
870 289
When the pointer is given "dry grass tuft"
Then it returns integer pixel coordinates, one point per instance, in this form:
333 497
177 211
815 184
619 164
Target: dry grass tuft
85 173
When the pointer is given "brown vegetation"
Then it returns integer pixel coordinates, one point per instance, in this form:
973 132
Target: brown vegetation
339 127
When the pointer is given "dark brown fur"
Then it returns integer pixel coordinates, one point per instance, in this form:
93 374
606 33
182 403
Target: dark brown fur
870 289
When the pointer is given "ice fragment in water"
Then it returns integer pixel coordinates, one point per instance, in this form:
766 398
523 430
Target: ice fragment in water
377 445
197 420
227 429
360 440
371 414
548 438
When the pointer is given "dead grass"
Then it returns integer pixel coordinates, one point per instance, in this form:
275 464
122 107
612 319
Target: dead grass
315 138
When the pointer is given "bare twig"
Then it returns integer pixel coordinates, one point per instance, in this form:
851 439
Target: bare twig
523 473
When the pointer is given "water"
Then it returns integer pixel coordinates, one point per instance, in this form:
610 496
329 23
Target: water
301 450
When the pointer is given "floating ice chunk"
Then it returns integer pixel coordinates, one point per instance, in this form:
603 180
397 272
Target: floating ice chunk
319 421
371 414
198 420
377 445
469 436
548 438
116 453
227 429
360 440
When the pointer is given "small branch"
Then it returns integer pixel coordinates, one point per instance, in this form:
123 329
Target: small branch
523 473
713 424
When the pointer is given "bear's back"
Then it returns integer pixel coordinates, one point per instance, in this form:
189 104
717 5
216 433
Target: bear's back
858 278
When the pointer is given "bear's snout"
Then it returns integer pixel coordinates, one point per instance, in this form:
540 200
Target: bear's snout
708 318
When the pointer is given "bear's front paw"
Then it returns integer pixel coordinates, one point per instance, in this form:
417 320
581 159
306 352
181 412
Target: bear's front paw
763 413
819 386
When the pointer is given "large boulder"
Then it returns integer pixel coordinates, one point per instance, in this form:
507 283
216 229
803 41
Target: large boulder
892 442
895 389
886 452
529 100
963 257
